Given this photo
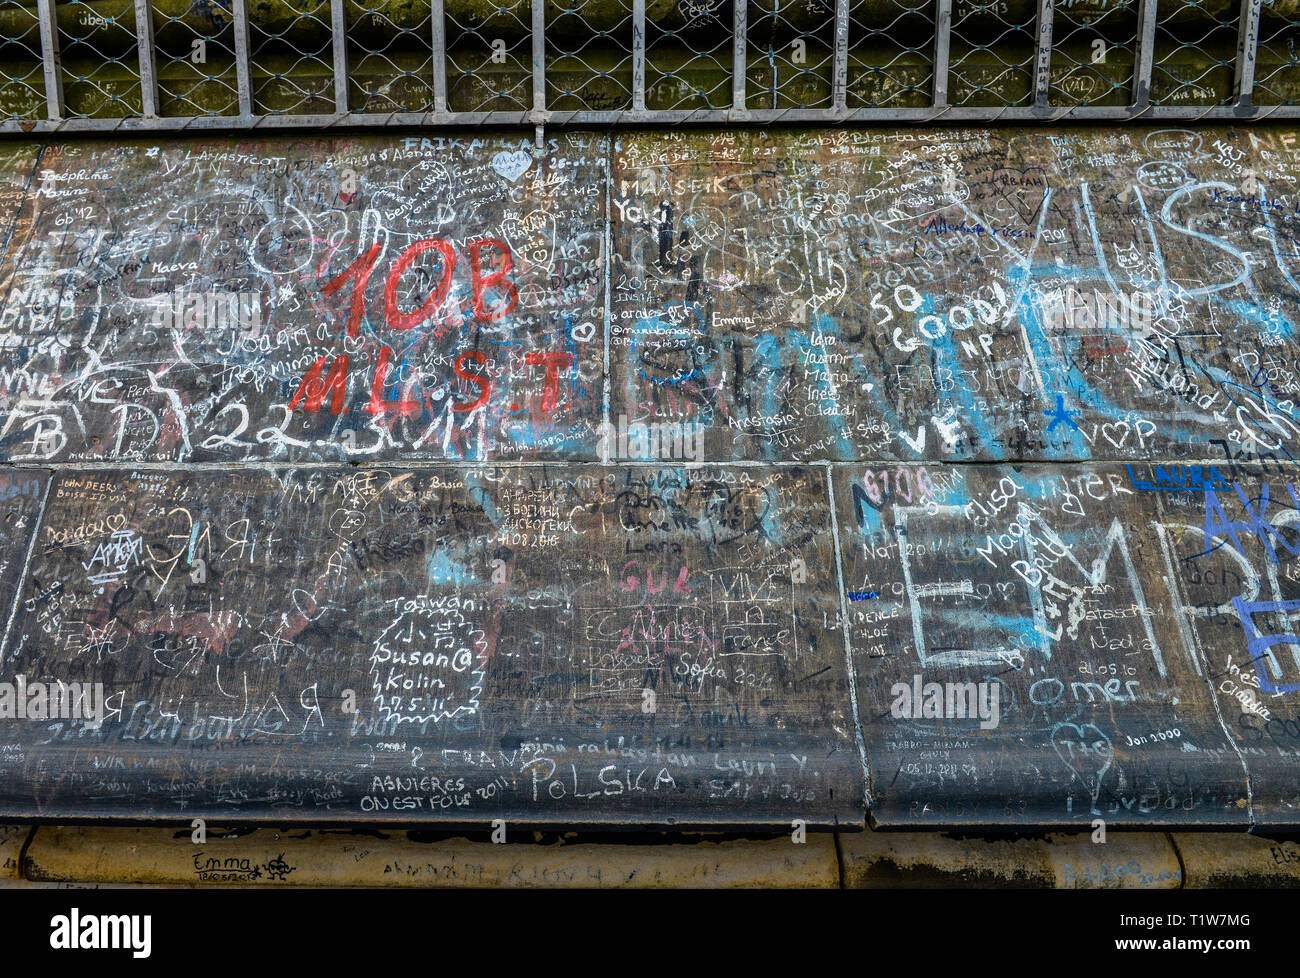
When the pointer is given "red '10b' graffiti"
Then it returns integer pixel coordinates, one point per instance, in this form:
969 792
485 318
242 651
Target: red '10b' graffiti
358 273
314 389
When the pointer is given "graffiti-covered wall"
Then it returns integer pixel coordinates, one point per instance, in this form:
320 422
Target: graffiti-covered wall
704 477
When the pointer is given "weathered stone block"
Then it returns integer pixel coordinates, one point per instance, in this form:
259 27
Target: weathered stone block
389 859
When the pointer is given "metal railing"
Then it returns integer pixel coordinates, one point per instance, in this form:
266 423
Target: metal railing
156 65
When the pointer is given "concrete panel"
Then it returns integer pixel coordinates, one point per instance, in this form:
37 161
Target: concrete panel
915 860
1234 550
959 294
613 646
389 859
1083 609
1215 860
345 299
1103 320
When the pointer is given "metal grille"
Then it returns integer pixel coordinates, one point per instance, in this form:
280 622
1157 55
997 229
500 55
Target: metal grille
144 65
1093 54
791 55
489 59
891 54
1195 53
1277 69
590 49
991 58
195 62
22 82
98 43
389 58
696 57
291 50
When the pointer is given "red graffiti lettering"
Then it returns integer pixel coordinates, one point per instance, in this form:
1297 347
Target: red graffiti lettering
553 362
358 273
408 320
378 404
312 392
495 279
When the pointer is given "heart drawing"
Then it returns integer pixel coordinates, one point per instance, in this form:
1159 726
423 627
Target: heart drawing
512 166
1087 752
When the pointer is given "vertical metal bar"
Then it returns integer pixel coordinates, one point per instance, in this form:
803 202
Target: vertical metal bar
539 69
243 79
1247 50
840 66
1043 54
942 41
144 43
1145 54
439 57
740 37
338 27
50 58
638 54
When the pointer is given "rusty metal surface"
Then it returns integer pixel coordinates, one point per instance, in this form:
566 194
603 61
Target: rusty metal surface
540 644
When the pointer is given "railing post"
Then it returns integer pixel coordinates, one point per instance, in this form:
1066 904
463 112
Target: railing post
1145 55
942 40
1043 54
638 55
840 66
144 44
243 77
539 70
338 27
1247 50
739 54
439 57
50 58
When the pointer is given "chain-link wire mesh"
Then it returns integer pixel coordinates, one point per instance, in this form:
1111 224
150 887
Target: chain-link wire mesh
589 56
195 61
666 60
791 55
390 57
891 53
690 55
291 53
489 57
22 76
1093 51
101 67
992 56
1277 68
1195 53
